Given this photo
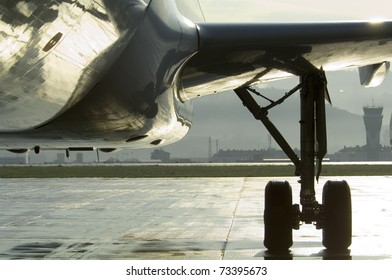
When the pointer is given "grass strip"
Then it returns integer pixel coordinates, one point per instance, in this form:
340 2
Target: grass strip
164 171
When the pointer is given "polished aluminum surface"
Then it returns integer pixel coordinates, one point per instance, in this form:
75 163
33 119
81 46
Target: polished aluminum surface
52 52
185 218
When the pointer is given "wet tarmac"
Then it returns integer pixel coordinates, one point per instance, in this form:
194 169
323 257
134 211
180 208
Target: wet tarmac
189 218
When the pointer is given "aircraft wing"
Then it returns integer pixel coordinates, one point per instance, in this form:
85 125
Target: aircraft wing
234 55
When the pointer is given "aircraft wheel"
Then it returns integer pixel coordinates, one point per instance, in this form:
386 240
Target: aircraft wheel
337 230
278 215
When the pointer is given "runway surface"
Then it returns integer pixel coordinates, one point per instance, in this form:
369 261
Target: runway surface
197 218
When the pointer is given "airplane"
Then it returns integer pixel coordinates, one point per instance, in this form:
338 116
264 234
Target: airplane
104 75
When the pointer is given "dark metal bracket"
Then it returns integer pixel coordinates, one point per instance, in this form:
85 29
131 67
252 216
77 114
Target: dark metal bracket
313 93
261 114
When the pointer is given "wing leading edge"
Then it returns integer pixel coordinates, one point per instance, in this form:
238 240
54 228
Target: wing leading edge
234 55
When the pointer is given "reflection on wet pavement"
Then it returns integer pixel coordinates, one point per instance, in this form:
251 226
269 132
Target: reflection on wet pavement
197 218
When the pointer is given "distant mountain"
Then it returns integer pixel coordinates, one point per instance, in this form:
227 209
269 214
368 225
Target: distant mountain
223 117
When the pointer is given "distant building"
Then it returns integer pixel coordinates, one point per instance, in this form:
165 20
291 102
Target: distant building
79 158
12 160
373 120
249 155
372 151
237 156
60 159
360 153
161 155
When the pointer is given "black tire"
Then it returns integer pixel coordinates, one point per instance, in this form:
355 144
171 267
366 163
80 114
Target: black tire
337 230
278 215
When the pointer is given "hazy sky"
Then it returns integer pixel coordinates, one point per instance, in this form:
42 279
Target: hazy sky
298 10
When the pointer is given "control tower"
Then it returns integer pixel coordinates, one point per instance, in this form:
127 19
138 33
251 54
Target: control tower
373 120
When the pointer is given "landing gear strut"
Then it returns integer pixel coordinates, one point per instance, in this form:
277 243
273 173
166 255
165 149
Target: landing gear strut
333 216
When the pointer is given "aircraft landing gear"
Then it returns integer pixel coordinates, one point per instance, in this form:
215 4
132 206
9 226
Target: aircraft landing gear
278 216
337 230
333 216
